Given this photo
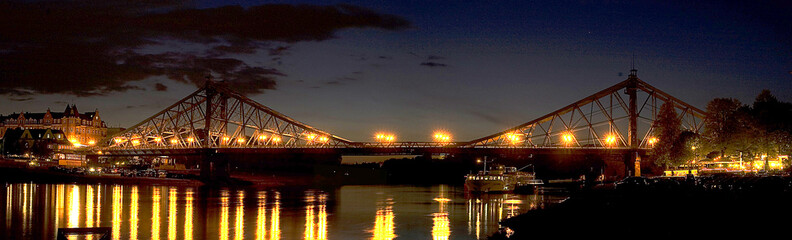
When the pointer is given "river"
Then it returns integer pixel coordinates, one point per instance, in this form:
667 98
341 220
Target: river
36 211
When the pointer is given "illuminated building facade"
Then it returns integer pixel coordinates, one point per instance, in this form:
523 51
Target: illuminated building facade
79 128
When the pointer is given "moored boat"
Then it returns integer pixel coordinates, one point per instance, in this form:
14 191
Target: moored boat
500 179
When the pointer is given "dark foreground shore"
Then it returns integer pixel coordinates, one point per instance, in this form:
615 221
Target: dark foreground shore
727 208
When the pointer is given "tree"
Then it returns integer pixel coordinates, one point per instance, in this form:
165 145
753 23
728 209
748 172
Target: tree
672 148
727 127
773 129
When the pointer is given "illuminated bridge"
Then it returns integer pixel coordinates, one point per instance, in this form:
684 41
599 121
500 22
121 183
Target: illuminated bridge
215 120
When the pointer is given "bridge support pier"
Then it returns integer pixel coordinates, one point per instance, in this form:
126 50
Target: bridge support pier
215 167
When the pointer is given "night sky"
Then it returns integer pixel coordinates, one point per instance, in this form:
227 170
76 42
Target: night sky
353 68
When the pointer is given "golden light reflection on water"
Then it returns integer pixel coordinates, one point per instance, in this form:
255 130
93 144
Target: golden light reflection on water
309 216
89 206
239 221
81 206
384 221
59 201
261 217
26 205
315 215
275 218
172 198
89 209
155 214
188 215
118 202
9 205
487 210
133 213
223 215
440 222
74 207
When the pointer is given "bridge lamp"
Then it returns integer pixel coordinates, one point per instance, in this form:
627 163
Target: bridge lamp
442 137
567 138
190 139
118 140
324 139
276 139
91 142
262 138
384 137
158 139
241 140
652 141
513 138
135 142
610 140
174 141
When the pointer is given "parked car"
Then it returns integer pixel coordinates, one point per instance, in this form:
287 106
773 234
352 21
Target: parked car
633 183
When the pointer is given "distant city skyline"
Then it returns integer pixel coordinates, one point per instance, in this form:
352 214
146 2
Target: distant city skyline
356 68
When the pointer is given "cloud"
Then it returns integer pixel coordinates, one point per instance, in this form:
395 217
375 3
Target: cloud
96 47
433 64
160 87
21 99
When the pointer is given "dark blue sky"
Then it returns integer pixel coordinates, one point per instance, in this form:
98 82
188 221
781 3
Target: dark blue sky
472 68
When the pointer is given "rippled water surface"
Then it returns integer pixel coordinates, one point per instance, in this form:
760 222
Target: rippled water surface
36 211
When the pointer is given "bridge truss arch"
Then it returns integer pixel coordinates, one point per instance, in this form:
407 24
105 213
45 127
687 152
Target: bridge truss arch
216 117
619 117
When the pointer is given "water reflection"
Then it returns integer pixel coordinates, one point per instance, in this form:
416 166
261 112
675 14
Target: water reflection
118 202
350 212
155 214
315 215
384 227
172 213
133 213
275 218
224 215
440 223
486 210
188 214
261 217
239 227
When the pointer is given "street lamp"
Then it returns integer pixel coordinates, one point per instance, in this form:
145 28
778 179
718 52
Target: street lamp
442 136
567 138
610 140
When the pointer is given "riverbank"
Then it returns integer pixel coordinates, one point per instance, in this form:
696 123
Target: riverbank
729 207
21 172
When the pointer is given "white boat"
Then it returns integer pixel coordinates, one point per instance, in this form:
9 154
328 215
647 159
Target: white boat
499 179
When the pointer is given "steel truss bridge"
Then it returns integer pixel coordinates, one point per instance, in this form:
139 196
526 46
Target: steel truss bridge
215 119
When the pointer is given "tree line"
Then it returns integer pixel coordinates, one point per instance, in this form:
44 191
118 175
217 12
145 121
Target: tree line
731 128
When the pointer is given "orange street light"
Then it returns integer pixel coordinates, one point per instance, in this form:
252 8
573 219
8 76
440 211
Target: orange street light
652 141
514 138
567 138
442 137
610 140
384 137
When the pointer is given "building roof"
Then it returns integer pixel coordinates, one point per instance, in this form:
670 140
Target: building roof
71 111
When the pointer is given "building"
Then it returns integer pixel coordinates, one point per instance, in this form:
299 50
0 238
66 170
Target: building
81 129
41 143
